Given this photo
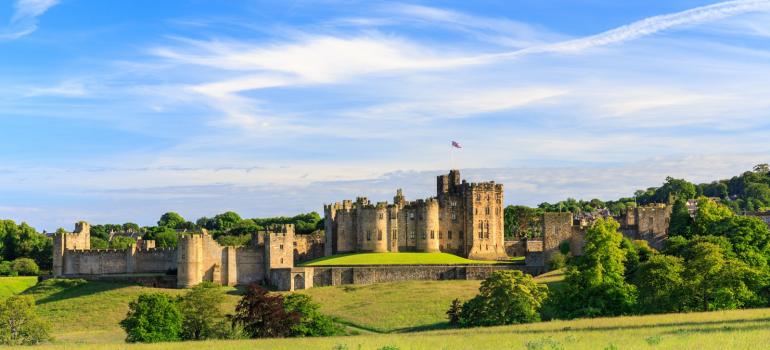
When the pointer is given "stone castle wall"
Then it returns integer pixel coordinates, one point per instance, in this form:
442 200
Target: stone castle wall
309 247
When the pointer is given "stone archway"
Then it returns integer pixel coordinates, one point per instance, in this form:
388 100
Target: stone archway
299 282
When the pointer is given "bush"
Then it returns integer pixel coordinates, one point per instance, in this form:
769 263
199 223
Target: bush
506 297
558 261
262 315
19 323
25 267
6 269
311 323
152 317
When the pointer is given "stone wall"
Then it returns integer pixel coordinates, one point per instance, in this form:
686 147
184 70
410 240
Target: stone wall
516 248
340 275
155 260
652 224
557 228
309 247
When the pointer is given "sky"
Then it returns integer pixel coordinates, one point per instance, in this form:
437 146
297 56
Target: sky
119 111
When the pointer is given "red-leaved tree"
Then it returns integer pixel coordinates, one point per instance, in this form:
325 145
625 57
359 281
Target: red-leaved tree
262 315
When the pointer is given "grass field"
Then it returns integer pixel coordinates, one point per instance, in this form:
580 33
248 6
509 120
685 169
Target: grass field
394 259
15 285
743 329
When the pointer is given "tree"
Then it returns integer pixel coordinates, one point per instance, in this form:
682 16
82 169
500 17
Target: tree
263 315
312 323
99 243
454 312
659 283
121 242
151 318
167 238
227 220
25 267
171 220
505 297
201 311
675 188
595 282
19 322
681 223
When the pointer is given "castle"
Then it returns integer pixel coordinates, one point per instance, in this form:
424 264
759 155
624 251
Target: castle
198 257
463 218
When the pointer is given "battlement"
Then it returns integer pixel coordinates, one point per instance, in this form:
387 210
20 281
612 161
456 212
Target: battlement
484 186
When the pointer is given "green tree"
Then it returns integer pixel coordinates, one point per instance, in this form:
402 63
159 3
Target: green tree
681 223
201 311
312 323
19 322
98 243
227 220
595 282
167 238
171 220
675 188
121 242
505 297
660 284
25 267
151 318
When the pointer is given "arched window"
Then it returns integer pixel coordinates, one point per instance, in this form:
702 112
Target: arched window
379 235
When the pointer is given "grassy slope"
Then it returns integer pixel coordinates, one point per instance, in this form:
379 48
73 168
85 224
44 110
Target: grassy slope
15 285
743 329
394 259
90 312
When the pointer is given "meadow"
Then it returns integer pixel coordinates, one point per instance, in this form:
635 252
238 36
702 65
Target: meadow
15 285
406 315
406 258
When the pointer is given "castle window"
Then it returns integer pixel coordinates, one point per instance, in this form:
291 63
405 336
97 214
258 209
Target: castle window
295 244
487 210
440 235
475 210
432 234
281 260
368 236
411 216
478 197
411 235
454 217
652 222
379 235
281 246
395 234
423 236
449 234
487 246
381 216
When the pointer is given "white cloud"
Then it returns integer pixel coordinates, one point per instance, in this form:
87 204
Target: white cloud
24 19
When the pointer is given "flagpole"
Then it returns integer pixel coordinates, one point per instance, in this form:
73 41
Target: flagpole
452 156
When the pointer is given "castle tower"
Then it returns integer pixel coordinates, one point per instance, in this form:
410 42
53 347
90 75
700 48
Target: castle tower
380 233
80 239
428 226
484 224
190 260
279 248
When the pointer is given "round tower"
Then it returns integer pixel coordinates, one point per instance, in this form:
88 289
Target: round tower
430 224
189 261
381 229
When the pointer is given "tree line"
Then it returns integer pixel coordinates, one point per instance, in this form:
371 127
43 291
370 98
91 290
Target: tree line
717 260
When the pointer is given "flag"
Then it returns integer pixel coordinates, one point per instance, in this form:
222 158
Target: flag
455 144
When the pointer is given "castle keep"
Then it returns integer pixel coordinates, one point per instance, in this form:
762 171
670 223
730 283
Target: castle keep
463 218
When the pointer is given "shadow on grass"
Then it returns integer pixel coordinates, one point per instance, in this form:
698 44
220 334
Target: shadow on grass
724 329
423 328
61 289
645 326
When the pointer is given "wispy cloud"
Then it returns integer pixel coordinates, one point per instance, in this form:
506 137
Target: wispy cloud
24 18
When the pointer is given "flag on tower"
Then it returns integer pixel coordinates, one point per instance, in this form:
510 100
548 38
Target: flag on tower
456 144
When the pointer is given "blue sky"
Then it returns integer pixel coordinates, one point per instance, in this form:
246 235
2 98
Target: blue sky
115 111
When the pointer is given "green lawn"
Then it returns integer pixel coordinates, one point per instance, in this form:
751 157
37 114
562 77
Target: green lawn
395 259
741 329
15 285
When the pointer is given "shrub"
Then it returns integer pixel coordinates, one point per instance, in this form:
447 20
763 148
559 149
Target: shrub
201 312
506 297
19 323
25 267
152 317
262 315
455 309
311 323
558 261
6 269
